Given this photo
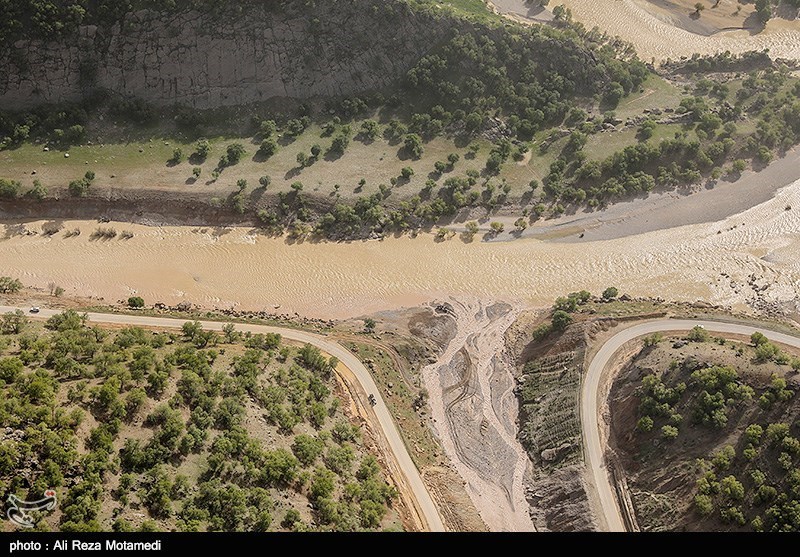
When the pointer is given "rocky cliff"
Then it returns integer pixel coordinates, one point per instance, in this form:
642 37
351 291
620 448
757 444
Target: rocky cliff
287 49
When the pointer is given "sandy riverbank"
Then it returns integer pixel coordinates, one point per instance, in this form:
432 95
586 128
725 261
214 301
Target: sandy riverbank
235 268
658 37
670 209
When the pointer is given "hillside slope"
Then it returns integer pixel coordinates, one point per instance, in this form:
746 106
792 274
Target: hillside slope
223 56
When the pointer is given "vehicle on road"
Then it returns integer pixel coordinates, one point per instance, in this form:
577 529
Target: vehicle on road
372 400
34 309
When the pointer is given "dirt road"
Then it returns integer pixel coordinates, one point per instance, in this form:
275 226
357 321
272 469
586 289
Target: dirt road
594 438
423 504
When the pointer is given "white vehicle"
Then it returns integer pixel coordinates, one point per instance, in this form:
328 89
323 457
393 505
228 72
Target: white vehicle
34 309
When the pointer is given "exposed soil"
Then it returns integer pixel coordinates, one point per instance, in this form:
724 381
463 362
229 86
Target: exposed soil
404 342
549 423
474 412
662 495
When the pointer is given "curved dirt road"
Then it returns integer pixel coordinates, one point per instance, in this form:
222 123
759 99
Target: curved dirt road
603 494
425 507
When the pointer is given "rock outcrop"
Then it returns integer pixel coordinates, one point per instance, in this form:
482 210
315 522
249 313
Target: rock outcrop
333 48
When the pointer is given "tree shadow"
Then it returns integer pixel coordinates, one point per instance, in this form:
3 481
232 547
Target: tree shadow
292 173
753 24
260 157
462 140
257 193
332 156
364 139
404 155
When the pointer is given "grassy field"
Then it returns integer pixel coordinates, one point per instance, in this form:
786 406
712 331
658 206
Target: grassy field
655 92
143 161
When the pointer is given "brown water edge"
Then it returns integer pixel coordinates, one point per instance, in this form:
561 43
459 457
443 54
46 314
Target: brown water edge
231 268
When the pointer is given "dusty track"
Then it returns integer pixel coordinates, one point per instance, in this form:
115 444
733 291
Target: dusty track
595 431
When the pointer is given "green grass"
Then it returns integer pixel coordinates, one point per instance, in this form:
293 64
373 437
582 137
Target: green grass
475 8
656 93
602 145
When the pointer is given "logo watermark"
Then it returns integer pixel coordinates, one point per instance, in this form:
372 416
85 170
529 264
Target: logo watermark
19 510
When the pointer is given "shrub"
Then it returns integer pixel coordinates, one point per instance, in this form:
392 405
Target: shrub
698 334
9 188
233 154
9 285
202 149
136 302
268 148
610 293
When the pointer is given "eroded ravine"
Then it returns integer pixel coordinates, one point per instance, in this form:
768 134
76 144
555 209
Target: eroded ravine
471 400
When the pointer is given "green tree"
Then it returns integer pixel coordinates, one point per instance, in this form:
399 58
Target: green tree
471 229
38 191
267 128
9 285
613 94
233 154
704 504
13 323
9 189
757 339
496 227
307 449
202 149
561 320
339 144
698 333
136 302
268 148
370 129
732 488
280 468
610 293
669 432
323 483
645 424
413 145
177 156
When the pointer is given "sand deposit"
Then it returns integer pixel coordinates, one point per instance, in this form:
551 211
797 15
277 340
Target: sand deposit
238 268
655 37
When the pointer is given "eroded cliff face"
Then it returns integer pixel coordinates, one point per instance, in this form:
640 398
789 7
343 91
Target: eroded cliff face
201 60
